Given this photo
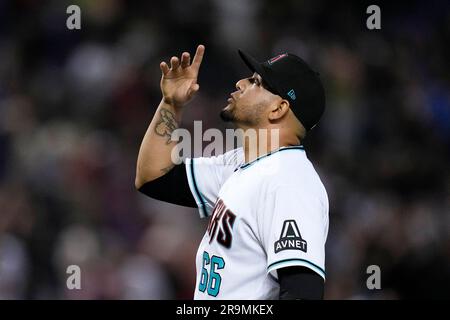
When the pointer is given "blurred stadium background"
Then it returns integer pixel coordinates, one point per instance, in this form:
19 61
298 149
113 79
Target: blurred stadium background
74 106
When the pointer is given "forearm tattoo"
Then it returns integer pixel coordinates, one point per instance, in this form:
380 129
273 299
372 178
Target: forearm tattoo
166 125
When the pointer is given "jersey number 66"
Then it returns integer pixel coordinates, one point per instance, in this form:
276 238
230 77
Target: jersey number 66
211 281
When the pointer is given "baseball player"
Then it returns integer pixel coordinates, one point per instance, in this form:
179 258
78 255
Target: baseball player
267 232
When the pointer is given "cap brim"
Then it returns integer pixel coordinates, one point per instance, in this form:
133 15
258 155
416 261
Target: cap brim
252 64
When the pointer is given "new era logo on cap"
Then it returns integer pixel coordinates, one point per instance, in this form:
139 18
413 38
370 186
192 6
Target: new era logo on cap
291 94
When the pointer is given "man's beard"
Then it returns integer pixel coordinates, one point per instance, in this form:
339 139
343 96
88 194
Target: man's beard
227 115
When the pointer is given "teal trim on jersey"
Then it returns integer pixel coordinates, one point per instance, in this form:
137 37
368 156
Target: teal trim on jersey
314 266
197 192
246 165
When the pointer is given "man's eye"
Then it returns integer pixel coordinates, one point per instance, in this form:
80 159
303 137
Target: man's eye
255 80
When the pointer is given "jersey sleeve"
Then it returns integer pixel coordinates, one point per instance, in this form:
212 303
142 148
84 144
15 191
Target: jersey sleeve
295 228
206 175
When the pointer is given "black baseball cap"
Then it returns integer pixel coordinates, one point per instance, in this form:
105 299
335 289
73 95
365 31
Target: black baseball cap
288 76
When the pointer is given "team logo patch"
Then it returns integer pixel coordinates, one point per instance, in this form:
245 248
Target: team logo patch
290 238
278 57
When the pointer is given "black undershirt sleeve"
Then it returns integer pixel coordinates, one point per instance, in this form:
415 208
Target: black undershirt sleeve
300 283
173 187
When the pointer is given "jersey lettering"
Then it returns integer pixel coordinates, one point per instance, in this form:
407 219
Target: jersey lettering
225 237
221 225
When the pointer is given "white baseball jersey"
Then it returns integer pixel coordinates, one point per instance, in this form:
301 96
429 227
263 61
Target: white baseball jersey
267 214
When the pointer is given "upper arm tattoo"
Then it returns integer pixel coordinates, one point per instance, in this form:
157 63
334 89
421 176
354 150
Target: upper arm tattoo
166 125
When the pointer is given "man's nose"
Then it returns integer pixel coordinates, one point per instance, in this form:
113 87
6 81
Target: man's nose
240 84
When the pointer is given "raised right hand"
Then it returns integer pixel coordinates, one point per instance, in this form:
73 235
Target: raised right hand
179 82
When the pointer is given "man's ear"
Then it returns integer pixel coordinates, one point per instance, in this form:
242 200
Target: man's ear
279 109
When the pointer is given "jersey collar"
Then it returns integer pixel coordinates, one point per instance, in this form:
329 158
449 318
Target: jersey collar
248 164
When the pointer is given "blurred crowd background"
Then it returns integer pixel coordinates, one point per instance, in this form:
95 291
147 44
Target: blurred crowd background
75 104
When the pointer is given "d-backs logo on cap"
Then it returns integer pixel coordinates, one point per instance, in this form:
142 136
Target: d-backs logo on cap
278 57
290 238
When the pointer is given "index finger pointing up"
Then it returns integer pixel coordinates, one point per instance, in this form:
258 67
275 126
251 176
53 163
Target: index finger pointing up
198 56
